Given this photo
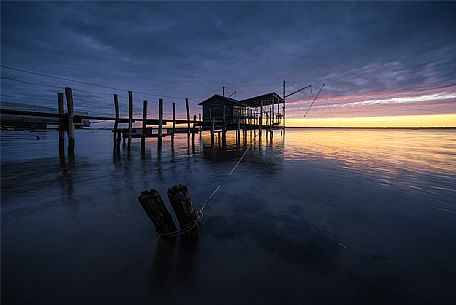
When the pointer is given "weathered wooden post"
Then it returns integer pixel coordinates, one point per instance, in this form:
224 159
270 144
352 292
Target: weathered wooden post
194 128
271 122
272 107
116 122
212 126
200 126
174 121
244 128
284 99
160 121
130 116
144 126
188 118
61 124
250 123
261 119
183 207
224 122
155 208
70 123
239 128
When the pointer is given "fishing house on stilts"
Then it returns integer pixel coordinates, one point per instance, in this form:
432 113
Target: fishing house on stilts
221 114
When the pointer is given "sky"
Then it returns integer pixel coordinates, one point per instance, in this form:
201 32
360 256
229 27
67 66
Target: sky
393 60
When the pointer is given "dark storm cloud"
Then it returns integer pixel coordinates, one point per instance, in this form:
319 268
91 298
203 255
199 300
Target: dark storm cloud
192 49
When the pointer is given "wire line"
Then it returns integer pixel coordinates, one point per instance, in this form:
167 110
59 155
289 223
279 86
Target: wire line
85 83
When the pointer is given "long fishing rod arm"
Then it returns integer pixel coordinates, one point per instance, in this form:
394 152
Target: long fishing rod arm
316 96
299 90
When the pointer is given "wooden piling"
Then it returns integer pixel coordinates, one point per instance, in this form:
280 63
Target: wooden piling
155 208
61 123
130 116
183 207
212 126
284 99
174 119
188 118
144 126
239 128
272 107
271 121
194 128
224 118
260 127
70 118
160 118
116 122
224 126
250 123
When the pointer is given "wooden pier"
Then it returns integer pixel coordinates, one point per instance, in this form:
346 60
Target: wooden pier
220 115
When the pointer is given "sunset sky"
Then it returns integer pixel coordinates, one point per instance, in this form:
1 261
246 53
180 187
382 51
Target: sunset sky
383 63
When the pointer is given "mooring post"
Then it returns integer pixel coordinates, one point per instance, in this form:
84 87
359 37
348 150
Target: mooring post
61 124
267 123
194 128
183 207
70 124
212 126
271 122
144 126
116 122
224 126
261 119
250 123
188 118
130 116
272 107
239 130
244 128
284 98
155 208
160 120
200 126
174 121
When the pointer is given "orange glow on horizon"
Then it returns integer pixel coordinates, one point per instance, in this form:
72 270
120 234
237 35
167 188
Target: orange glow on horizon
415 121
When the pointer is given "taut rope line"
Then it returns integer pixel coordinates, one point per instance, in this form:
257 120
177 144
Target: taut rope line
204 204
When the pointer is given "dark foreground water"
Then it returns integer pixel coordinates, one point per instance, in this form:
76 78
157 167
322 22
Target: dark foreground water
324 216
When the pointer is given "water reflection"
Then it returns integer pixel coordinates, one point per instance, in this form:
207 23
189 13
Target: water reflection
316 211
421 162
388 151
175 263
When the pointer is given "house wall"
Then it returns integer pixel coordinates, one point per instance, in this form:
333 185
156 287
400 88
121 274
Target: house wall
216 107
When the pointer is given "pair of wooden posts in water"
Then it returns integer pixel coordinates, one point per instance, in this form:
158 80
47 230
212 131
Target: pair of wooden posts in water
181 203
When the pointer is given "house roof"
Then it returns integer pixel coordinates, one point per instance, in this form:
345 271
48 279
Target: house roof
267 99
219 97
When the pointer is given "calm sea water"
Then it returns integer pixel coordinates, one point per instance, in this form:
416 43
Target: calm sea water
322 216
